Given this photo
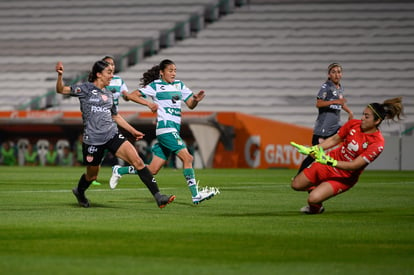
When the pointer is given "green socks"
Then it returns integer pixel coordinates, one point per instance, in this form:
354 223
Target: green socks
127 170
191 182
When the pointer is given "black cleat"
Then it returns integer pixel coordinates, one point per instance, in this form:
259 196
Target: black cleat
82 200
164 200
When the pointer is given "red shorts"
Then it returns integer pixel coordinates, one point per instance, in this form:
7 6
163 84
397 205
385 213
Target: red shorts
318 173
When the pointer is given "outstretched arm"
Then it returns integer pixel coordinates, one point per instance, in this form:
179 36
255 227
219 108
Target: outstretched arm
60 86
124 124
193 101
136 96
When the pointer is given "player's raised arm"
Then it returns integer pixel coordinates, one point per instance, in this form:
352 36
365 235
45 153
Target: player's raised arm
60 86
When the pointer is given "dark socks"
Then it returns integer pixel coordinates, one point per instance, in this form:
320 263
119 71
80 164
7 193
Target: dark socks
83 184
148 179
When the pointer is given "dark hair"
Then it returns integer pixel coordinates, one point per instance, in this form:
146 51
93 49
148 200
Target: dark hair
333 65
390 109
98 67
154 73
108 56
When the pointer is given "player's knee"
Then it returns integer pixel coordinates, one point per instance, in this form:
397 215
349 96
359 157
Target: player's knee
295 185
188 160
138 164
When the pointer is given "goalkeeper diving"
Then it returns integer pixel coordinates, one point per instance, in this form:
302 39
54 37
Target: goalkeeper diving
361 142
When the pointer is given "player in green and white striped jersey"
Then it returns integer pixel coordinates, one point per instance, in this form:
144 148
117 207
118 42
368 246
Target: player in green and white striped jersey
167 94
117 85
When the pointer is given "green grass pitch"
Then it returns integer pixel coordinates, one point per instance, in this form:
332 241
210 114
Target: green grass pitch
253 227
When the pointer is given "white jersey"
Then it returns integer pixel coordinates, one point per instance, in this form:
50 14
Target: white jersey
116 86
169 97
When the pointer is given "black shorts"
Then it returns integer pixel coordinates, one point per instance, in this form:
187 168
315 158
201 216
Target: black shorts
94 154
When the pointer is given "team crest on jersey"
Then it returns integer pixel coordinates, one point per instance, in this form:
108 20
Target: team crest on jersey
353 146
77 90
104 97
365 145
92 149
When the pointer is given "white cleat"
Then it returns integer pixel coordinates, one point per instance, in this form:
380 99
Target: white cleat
113 181
306 209
205 194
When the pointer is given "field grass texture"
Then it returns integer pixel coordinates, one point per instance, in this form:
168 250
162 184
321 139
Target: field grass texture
252 227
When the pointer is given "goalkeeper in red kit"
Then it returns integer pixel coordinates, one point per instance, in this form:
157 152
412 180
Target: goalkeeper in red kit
339 170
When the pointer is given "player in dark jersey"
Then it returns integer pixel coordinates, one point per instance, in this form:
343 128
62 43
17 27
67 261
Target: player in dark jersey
329 101
339 170
100 120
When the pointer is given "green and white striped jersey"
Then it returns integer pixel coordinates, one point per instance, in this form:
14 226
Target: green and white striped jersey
116 86
169 97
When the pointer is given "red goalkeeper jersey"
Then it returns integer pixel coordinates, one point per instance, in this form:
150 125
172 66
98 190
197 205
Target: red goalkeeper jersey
356 143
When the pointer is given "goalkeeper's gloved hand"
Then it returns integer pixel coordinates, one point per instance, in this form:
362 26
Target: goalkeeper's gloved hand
321 157
305 150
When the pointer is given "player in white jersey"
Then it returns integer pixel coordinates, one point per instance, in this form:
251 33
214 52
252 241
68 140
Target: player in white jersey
167 94
117 85
101 119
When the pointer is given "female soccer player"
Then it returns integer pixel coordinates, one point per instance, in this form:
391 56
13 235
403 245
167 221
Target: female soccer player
362 143
167 94
100 119
329 101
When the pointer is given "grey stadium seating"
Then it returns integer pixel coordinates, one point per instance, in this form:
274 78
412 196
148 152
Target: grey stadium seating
266 58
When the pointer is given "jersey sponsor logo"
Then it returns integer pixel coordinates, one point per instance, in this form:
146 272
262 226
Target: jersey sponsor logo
175 98
173 111
99 109
92 149
335 107
353 146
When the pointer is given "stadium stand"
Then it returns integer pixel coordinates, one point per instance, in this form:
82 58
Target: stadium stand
266 58
36 34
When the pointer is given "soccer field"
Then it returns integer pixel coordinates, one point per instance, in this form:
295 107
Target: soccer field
253 227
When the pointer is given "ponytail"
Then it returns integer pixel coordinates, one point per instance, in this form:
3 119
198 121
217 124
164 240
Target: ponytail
390 109
154 73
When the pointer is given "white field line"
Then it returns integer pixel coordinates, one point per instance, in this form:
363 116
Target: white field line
129 189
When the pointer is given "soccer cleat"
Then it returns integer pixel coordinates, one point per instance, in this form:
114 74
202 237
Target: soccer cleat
82 200
205 194
307 210
164 200
113 181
